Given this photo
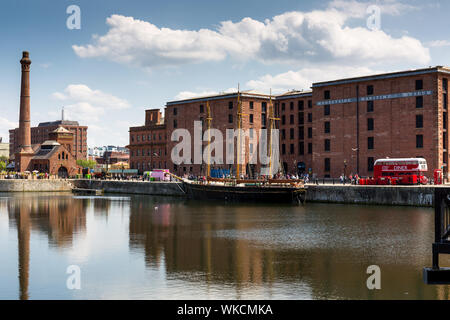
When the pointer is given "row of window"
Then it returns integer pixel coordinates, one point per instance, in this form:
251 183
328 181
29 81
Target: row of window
300 105
149 165
147 153
301 133
145 137
301 148
370 89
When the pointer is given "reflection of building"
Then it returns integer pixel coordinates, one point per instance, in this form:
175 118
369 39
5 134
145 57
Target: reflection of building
112 157
59 218
54 156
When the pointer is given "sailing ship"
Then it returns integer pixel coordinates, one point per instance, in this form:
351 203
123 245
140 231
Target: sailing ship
245 190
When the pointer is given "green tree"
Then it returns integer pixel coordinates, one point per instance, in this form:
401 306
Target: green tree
2 165
87 163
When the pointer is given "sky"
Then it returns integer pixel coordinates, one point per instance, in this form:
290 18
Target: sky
129 56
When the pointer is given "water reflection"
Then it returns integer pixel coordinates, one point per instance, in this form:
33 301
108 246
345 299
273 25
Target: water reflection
210 250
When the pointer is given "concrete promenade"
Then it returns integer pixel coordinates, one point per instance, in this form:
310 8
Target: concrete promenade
422 196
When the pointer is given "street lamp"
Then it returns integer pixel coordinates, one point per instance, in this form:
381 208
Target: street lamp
345 170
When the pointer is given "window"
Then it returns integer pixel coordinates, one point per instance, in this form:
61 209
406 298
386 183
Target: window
251 133
326 94
264 107
291 106
283 106
419 84
327 127
283 134
309 117
327 145
419 141
201 109
301 133
301 119
309 104
230 105
445 101
291 149
309 132
326 110
251 118
291 119
301 148
175 124
251 105
445 120
301 105
369 106
175 111
445 84
369 90
419 121
283 149
370 143
370 162
419 102
263 120
327 164
310 148
283 119
291 133
230 118
370 124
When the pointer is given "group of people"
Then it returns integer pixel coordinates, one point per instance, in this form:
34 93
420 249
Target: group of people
352 178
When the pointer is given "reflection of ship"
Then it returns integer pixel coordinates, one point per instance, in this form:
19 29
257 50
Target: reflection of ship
248 190
266 190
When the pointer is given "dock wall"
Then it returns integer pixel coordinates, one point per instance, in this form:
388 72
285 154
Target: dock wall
134 187
372 195
13 185
422 196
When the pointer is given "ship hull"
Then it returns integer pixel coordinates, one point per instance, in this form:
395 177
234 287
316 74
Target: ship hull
272 194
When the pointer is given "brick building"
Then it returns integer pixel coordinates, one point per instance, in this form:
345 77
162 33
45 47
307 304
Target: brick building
224 109
341 126
148 143
41 133
396 115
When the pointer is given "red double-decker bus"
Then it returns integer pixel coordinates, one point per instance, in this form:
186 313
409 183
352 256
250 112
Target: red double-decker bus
400 171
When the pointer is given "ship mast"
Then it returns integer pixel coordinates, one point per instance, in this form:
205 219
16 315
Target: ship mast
239 123
208 123
272 120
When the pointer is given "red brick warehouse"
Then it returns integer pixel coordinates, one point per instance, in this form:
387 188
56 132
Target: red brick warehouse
341 125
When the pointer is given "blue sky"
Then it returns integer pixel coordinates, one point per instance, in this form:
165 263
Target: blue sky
132 55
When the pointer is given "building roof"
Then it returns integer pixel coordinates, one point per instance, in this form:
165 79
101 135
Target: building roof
59 122
383 76
61 130
46 153
294 94
220 96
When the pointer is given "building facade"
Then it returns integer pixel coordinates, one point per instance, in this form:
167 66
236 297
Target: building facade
340 127
148 143
41 133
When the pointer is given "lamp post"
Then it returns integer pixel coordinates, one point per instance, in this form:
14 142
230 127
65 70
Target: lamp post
345 170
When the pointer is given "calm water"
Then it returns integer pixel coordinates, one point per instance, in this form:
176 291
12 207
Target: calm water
143 247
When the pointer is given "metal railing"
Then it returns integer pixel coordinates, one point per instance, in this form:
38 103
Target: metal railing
441 224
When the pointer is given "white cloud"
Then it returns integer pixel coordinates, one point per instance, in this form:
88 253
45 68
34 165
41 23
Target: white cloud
439 43
94 109
5 126
83 103
304 78
183 95
292 37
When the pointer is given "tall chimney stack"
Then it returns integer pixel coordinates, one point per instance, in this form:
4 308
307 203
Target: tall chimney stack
25 152
24 118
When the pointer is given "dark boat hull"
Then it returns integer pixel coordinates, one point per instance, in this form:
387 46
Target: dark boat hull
274 194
